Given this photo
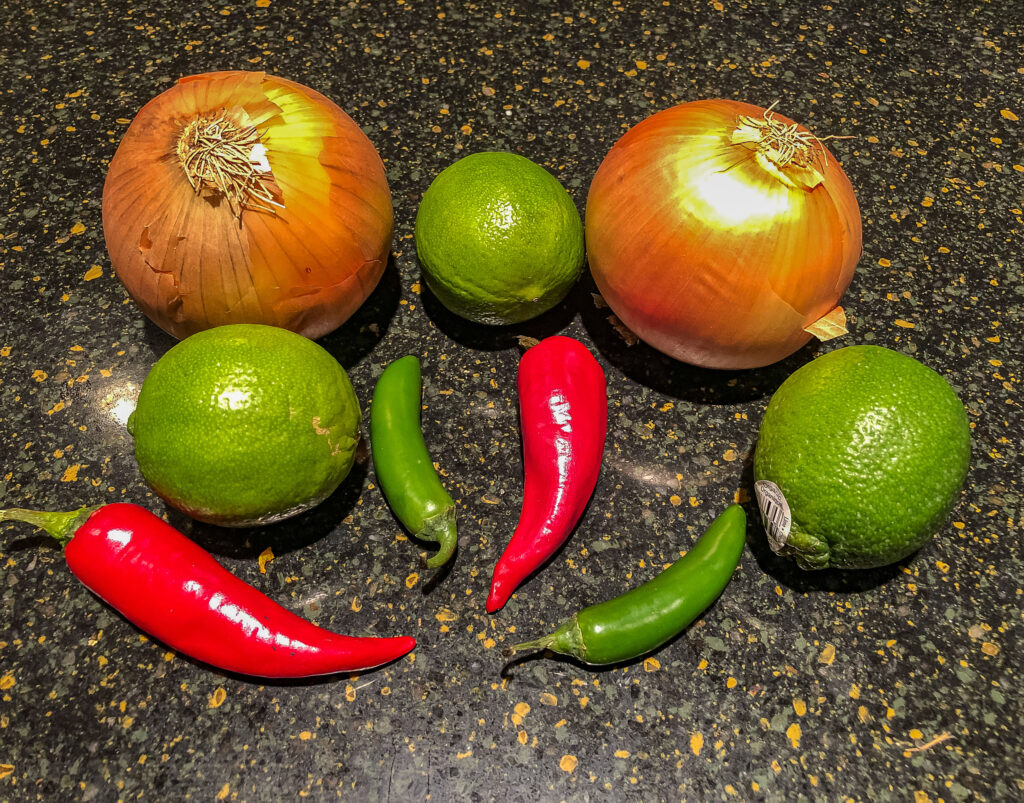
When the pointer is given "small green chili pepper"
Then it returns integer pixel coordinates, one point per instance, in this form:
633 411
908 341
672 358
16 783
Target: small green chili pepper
644 618
403 465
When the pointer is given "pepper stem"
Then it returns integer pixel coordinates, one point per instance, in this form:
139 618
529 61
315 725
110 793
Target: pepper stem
61 525
441 528
541 643
567 640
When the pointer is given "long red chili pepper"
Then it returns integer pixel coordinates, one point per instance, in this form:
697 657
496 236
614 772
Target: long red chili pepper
563 410
172 589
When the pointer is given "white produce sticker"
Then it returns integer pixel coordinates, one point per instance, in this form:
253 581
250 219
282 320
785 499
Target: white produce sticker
774 513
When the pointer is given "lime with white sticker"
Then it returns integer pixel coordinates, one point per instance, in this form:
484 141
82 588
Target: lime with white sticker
775 513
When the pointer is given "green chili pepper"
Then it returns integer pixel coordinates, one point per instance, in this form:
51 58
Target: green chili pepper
403 465
644 618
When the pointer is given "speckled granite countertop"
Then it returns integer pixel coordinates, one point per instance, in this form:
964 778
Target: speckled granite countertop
895 684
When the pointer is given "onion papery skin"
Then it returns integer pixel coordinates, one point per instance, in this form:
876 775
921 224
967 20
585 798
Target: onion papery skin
708 253
192 262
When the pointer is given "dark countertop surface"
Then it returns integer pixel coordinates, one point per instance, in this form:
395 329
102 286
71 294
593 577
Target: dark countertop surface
902 683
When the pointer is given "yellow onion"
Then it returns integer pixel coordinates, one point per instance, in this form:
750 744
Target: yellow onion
723 234
239 197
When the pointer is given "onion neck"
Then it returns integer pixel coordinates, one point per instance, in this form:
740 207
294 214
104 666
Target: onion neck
221 156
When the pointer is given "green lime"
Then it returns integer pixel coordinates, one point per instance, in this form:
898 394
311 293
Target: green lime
860 459
245 424
499 239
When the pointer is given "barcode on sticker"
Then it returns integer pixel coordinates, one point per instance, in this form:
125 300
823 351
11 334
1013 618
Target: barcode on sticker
775 513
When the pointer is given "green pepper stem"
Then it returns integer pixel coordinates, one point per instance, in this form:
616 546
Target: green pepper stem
61 525
441 528
567 640
541 643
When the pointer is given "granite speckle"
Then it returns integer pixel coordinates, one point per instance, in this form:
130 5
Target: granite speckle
891 684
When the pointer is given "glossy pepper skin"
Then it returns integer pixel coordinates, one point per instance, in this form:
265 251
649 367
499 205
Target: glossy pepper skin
563 411
404 468
172 589
647 616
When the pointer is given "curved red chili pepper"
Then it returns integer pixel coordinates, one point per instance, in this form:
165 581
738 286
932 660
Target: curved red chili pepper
563 410
174 590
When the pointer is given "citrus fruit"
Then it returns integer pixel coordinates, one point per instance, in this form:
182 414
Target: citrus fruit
245 424
860 458
499 239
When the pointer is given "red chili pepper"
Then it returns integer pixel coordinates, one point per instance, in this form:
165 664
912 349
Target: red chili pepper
563 411
172 589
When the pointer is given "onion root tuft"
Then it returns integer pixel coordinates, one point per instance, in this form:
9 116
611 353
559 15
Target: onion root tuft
217 154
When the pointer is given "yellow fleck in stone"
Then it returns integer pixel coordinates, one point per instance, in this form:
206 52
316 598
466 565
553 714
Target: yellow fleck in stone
794 733
7 681
675 500
693 501
731 682
411 580
1008 114
446 615
622 754
989 648
730 455
800 707
915 734
225 790
356 606
522 737
828 654
78 228
218 697
855 691
350 692
863 715
885 263
904 324
696 743
547 698
5 770
305 736
522 709
568 762
651 665
38 375
265 557
461 756
262 3
93 273
583 64
71 473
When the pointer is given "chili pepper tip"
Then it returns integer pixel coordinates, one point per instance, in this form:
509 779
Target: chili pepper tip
443 529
